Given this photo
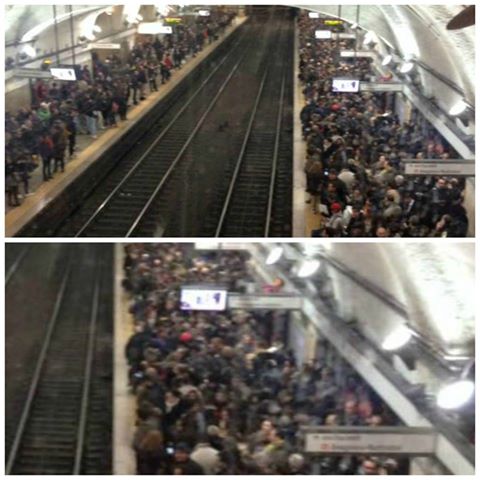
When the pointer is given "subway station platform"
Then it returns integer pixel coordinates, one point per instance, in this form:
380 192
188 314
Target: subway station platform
211 184
299 299
303 339
90 150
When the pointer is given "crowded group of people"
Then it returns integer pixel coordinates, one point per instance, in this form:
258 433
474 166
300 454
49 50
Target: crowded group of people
220 392
46 133
355 146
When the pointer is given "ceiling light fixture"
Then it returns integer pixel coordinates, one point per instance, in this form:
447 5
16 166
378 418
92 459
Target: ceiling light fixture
308 268
387 60
458 108
274 256
406 67
456 394
397 339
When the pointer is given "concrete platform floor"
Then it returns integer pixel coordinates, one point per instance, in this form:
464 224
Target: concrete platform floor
304 219
123 400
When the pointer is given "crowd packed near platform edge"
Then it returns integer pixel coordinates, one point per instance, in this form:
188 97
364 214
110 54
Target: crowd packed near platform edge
45 135
219 392
355 145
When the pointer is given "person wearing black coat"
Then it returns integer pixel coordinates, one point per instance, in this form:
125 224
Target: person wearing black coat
182 463
59 138
45 150
71 127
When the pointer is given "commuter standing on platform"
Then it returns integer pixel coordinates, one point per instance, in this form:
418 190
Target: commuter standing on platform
11 186
91 116
45 150
71 127
152 77
59 138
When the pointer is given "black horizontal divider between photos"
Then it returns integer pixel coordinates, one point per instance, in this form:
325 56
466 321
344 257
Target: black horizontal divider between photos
53 215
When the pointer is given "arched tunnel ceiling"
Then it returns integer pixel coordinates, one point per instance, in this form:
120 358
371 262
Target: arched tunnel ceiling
420 30
410 29
19 19
435 282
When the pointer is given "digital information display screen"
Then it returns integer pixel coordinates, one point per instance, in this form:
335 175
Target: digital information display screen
323 34
345 85
153 28
67 74
213 299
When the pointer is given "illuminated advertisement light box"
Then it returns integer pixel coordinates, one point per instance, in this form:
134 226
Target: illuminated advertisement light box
153 28
204 13
314 15
323 34
66 74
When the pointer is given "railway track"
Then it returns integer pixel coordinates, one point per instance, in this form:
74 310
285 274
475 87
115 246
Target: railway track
170 188
116 203
65 424
255 203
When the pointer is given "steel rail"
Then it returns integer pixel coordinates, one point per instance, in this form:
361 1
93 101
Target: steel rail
82 423
37 373
12 270
155 143
275 160
187 143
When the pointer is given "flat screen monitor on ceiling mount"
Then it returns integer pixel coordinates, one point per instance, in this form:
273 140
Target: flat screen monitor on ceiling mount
203 298
345 85
61 73
323 34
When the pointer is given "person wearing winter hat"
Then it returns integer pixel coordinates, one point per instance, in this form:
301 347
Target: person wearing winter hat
186 337
336 207
334 225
